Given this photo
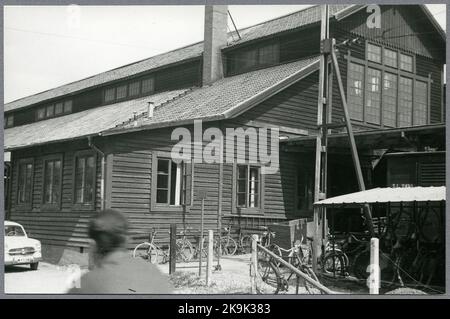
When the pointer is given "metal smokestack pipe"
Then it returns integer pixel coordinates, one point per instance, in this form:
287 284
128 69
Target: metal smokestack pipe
150 109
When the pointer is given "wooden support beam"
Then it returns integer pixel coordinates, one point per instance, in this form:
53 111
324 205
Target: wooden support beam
173 248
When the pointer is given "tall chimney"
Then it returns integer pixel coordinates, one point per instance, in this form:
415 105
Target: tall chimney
216 18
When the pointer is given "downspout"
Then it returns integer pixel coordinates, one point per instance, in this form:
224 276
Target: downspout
103 170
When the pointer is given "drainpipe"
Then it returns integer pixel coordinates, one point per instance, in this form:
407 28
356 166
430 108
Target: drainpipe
103 170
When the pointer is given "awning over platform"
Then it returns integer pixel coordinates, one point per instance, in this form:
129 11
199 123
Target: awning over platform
387 195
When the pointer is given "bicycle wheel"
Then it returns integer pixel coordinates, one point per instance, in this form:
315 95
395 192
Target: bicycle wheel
270 274
228 246
360 264
246 244
334 263
312 289
185 251
204 252
147 251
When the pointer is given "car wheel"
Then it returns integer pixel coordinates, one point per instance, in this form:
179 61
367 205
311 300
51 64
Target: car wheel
34 266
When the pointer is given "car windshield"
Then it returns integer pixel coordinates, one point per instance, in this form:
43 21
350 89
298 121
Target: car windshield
13 230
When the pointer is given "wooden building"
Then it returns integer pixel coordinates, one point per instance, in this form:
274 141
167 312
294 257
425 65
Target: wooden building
105 141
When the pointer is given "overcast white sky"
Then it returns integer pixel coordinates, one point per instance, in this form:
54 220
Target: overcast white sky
47 46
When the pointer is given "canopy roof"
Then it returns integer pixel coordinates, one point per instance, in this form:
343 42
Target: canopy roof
387 195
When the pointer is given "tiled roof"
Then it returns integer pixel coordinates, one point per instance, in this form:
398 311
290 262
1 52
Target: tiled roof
288 22
86 123
225 98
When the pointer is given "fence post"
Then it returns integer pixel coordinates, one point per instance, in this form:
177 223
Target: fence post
173 248
254 264
201 238
209 260
374 278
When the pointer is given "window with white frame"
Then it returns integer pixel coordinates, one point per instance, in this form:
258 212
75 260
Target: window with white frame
390 58
373 96
374 53
248 186
405 101
390 99
420 109
355 90
406 62
169 182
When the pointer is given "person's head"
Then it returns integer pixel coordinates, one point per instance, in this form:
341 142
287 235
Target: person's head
108 229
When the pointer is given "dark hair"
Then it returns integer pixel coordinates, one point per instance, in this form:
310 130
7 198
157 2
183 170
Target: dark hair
108 229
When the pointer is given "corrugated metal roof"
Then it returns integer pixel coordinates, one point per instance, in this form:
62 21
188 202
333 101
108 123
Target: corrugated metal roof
86 123
224 98
285 23
388 195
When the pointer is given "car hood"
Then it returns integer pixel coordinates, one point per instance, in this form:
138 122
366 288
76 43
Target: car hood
19 242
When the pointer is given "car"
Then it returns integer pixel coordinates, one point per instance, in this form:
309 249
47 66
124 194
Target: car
19 248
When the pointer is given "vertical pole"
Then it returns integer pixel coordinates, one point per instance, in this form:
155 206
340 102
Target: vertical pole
374 277
209 261
254 264
320 164
173 248
201 238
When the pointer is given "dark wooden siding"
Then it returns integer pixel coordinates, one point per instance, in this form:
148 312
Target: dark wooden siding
66 226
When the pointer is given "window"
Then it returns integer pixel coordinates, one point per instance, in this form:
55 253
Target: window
148 85
374 53
390 58
406 62
121 92
84 183
248 186
420 103
52 180
405 102
110 94
390 99
305 190
25 182
41 113
68 106
246 59
173 183
373 100
9 120
134 88
355 96
50 110
59 108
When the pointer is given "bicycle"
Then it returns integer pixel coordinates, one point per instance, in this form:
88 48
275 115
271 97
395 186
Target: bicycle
273 270
228 245
150 251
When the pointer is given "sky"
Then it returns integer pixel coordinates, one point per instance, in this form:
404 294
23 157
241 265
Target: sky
48 46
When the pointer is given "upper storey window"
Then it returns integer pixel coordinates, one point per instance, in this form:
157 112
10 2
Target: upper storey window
54 110
134 88
253 58
9 120
384 90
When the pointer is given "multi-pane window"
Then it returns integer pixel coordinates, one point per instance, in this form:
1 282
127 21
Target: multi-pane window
405 101
240 61
134 88
390 58
84 179
9 120
169 182
355 93
25 182
121 92
390 99
148 85
374 53
420 103
406 62
52 180
248 186
54 110
110 94
373 96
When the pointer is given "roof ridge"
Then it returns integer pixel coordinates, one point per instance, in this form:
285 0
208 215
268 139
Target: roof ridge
145 113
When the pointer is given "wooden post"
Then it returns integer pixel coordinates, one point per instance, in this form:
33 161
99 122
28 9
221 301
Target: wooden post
254 264
173 248
374 278
201 238
209 261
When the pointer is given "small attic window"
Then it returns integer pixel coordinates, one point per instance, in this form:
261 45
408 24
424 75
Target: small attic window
54 110
9 120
